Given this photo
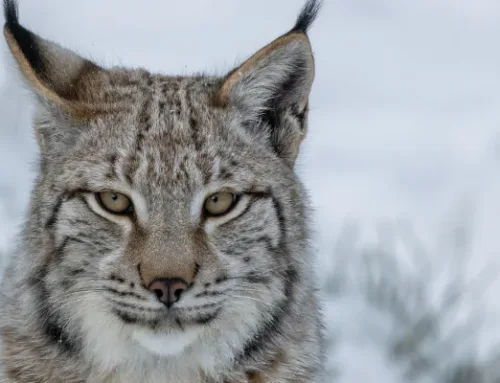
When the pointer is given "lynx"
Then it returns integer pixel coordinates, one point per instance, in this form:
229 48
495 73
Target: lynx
167 237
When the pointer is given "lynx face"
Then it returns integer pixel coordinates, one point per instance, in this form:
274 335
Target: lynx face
170 217
168 227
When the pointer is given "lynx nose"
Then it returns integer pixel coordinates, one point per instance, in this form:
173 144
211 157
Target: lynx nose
168 290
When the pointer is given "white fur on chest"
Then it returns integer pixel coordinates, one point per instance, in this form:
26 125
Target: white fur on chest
155 374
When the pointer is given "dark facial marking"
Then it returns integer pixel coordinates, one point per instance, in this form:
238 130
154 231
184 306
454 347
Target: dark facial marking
67 283
131 319
206 319
55 211
281 310
59 251
124 293
260 279
75 272
134 307
208 294
50 320
119 280
161 107
225 174
179 324
221 279
128 319
195 274
112 164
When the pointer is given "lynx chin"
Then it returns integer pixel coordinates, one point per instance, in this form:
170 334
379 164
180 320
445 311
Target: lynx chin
167 237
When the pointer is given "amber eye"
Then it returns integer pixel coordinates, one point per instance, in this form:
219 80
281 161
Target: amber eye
114 203
220 203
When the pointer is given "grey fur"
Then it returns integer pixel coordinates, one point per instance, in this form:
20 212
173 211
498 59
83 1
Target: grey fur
74 306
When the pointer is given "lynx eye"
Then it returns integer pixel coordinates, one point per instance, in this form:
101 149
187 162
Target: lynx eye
220 203
115 203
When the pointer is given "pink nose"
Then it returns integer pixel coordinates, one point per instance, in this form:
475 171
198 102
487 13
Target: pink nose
168 290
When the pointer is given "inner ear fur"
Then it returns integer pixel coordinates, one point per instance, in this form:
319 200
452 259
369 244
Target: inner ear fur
296 46
57 75
271 91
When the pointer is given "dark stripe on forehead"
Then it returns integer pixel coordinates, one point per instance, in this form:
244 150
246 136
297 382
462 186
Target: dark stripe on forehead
195 123
144 123
113 159
194 126
144 120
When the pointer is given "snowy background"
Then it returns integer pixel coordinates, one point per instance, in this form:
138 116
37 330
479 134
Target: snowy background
402 159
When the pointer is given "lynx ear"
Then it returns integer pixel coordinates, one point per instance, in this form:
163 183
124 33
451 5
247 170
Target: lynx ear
272 87
55 74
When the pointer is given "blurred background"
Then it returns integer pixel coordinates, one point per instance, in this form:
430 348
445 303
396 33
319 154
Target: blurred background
402 159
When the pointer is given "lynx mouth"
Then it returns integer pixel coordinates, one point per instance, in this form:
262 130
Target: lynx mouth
179 318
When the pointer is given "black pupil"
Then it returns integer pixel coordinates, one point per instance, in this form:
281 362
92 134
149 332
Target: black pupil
114 196
215 198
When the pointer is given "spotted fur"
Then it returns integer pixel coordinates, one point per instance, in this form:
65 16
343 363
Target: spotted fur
75 305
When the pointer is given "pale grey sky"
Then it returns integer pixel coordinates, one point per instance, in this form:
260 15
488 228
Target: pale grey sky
405 110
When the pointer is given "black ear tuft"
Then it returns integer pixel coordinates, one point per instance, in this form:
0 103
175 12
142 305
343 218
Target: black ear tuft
11 13
25 39
307 16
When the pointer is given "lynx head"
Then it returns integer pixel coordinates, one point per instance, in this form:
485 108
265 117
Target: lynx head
167 211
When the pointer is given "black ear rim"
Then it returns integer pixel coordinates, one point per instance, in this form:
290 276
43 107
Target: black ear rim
25 39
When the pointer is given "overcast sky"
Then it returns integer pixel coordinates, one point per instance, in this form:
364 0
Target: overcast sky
405 109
